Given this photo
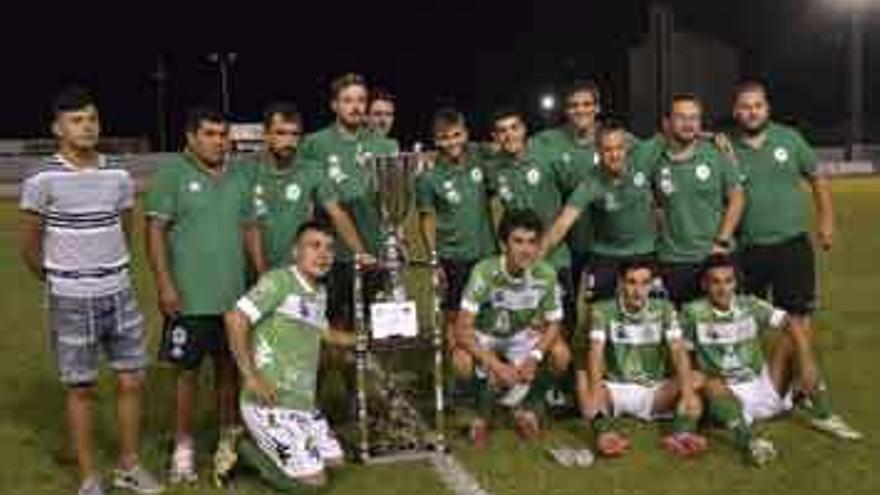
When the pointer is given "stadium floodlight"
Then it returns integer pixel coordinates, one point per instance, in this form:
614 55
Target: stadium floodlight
548 102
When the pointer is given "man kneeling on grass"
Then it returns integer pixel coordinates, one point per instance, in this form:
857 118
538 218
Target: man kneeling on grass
632 339
275 332
509 321
724 330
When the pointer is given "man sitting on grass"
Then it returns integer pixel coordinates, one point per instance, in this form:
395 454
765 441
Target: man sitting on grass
724 330
632 339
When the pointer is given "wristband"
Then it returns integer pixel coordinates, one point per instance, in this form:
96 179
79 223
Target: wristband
537 354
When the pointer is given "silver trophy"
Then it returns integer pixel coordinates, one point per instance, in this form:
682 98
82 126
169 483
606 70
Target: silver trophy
390 324
393 184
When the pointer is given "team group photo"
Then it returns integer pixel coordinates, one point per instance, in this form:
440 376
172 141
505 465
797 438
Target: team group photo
504 304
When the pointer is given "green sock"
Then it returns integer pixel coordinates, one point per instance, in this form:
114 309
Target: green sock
602 423
728 412
269 472
683 424
534 400
818 404
484 396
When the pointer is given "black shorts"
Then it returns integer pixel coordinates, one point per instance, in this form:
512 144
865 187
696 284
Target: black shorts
457 274
579 264
187 339
340 292
602 272
569 301
785 271
681 281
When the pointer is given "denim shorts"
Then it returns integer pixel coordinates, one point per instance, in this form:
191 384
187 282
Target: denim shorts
83 326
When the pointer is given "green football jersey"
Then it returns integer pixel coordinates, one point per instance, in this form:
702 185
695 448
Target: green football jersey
456 194
636 344
505 305
284 198
728 343
776 209
621 210
288 317
340 157
537 182
205 214
692 195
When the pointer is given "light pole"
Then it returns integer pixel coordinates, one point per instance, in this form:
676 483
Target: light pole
161 77
224 63
857 75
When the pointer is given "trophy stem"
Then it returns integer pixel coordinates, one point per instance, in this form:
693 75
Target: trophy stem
394 264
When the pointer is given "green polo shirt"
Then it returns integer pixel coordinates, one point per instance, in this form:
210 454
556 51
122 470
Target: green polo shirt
456 194
692 195
206 242
776 207
339 157
536 182
285 198
621 210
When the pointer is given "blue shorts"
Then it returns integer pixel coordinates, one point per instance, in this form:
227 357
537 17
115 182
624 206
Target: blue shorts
83 326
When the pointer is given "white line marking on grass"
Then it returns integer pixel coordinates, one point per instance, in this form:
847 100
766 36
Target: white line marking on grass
455 476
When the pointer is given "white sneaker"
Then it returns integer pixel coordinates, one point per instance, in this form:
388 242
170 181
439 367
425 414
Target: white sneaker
835 425
761 451
183 465
91 486
138 480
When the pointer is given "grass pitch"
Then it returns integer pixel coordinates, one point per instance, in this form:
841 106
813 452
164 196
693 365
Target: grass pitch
33 437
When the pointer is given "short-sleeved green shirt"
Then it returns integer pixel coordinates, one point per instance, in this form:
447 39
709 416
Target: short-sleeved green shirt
636 344
288 317
621 210
728 343
536 182
692 195
456 194
284 198
206 242
505 305
340 158
776 208
582 158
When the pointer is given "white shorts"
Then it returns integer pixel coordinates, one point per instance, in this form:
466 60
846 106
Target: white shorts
514 349
298 442
633 399
759 398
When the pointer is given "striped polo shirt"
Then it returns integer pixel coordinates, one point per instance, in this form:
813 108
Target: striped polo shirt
85 253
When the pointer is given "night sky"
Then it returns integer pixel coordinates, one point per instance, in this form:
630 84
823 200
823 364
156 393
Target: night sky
473 55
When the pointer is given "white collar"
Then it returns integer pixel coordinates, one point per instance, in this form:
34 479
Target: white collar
720 313
302 279
102 161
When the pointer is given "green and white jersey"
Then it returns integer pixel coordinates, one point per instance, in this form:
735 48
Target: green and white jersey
692 195
621 210
456 195
205 214
776 209
505 305
538 181
728 343
288 317
636 344
340 157
284 198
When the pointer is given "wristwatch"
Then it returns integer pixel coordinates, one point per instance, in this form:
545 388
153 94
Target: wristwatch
723 243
